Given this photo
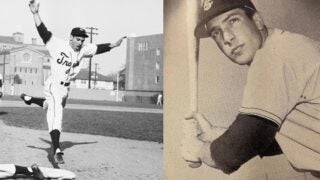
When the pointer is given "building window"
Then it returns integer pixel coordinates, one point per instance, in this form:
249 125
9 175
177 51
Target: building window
157 79
15 69
25 70
20 69
143 46
36 70
31 70
139 47
157 65
146 46
158 52
83 81
26 57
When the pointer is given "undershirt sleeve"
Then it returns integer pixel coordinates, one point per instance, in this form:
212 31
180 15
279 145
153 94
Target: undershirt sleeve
101 48
247 137
44 33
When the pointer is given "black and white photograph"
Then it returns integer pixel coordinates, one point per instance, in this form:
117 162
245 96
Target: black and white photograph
81 89
242 97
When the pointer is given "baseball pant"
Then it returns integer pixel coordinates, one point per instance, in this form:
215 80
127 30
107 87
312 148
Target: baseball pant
56 96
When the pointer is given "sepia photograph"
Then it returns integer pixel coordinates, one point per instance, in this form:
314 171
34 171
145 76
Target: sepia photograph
81 89
242 97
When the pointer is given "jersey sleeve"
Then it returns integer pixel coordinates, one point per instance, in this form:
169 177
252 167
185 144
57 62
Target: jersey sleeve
274 86
89 50
54 46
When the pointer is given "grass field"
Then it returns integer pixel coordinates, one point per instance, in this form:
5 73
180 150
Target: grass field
129 125
92 102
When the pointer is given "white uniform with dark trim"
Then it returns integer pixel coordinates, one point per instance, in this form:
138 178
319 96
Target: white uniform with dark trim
65 65
283 85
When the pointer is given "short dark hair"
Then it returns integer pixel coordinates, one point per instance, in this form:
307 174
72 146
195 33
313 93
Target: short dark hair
249 12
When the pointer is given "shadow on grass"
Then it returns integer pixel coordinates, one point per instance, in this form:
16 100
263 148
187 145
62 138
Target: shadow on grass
64 145
3 113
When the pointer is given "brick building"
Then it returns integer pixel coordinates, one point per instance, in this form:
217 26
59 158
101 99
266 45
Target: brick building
144 67
28 62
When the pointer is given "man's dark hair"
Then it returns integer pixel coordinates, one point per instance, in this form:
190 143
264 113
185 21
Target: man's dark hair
249 12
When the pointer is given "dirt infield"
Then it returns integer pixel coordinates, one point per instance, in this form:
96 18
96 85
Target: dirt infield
88 156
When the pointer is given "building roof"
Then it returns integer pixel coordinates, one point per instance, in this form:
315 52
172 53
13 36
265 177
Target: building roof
8 40
84 73
18 33
148 36
44 52
123 71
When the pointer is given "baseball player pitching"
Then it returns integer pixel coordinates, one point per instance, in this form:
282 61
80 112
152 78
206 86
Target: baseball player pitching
281 102
39 173
67 59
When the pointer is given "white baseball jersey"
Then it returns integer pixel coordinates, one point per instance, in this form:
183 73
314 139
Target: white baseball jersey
66 62
65 65
283 85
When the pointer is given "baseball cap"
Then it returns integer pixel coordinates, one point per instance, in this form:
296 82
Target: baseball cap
212 8
77 31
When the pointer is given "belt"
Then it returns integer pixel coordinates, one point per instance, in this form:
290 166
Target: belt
65 83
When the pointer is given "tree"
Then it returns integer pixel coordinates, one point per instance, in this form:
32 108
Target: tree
17 79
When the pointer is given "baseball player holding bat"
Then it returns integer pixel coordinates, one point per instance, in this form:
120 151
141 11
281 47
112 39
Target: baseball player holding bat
280 110
66 62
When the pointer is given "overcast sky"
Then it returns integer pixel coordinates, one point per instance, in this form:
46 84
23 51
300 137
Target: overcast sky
113 18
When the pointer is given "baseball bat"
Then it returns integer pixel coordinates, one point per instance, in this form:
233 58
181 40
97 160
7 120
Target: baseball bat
193 54
190 125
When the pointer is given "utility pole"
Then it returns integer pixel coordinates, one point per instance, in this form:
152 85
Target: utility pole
91 33
95 74
117 92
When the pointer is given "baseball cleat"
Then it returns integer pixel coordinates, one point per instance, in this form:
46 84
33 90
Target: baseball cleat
58 158
37 174
26 98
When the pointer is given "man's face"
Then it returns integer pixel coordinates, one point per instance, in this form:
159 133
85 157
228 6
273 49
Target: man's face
236 35
76 42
